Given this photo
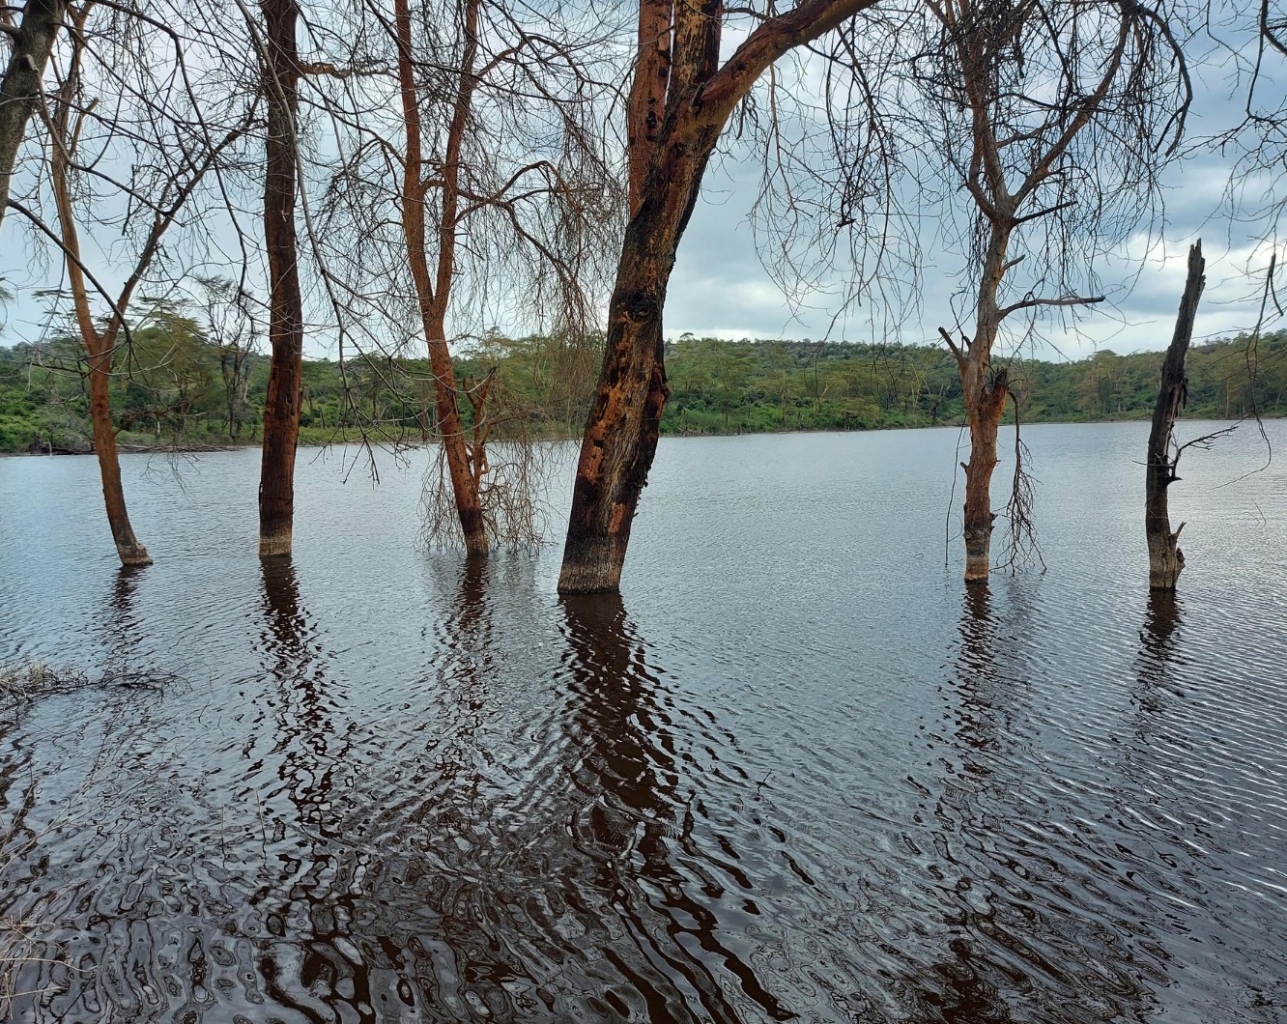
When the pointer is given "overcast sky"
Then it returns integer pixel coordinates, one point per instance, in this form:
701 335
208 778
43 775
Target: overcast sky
720 289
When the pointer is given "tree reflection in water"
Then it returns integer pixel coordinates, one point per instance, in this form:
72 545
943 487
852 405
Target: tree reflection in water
1015 875
637 828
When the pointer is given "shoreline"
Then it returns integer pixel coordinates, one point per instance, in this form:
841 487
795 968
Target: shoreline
204 449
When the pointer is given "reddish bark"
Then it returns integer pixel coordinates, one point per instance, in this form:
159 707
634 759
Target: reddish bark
100 346
433 295
286 303
625 419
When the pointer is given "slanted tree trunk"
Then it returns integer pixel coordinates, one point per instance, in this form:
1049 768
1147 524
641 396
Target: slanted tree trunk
1165 559
286 303
433 295
129 549
21 88
100 347
624 423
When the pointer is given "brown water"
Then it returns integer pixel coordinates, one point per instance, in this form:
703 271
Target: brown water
796 772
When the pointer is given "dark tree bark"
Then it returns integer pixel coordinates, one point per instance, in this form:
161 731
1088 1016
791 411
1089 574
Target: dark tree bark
286 304
1165 559
625 419
33 42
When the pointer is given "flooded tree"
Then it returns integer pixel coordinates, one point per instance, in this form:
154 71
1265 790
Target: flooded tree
1054 119
281 74
1165 559
159 191
680 100
469 183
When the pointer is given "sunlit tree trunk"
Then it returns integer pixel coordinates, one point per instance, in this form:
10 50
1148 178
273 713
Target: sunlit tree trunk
286 304
33 40
1165 559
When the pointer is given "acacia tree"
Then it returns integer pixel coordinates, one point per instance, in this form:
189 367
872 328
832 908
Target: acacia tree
680 100
170 162
1054 118
489 194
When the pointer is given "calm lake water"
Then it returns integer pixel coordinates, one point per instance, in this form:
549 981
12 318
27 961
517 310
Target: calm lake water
796 772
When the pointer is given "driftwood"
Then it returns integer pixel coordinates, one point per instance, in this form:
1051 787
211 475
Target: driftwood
1165 559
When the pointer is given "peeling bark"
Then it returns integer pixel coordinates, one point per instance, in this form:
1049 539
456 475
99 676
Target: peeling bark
624 423
22 83
1165 559
286 303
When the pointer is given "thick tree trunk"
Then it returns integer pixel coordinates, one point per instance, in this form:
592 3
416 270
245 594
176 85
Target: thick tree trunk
985 410
286 304
625 420
1165 559
128 547
624 424
22 83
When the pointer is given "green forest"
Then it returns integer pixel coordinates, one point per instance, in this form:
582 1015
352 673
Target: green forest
175 386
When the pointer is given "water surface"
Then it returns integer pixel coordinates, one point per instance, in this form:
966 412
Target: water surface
796 772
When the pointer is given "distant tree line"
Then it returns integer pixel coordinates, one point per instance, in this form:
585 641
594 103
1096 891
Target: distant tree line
187 386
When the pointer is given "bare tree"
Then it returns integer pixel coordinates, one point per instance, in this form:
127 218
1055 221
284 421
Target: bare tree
170 162
490 192
1054 118
1165 559
680 101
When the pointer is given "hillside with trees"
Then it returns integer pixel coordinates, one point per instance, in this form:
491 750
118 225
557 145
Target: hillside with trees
181 387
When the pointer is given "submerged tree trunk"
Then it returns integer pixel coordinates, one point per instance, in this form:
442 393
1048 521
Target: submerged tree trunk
1165 559
286 304
624 424
985 393
21 87
666 168
129 549
985 404
433 295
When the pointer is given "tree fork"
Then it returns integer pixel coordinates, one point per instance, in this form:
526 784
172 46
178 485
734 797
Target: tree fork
1165 559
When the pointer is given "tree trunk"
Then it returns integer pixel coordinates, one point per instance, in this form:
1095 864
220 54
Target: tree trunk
1165 559
984 410
22 83
624 424
433 299
286 304
464 486
127 546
